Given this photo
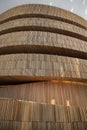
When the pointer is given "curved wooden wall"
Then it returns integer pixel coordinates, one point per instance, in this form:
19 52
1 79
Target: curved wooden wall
43 12
42 67
43 58
42 43
43 24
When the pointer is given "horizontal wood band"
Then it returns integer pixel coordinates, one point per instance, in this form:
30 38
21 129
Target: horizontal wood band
38 49
44 29
42 67
42 11
37 39
43 25
43 16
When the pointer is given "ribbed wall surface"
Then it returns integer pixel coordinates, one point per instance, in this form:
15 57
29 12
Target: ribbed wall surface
31 116
42 67
48 46
45 92
45 32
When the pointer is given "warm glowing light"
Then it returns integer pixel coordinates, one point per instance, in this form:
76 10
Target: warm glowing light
67 103
53 102
69 82
74 82
54 81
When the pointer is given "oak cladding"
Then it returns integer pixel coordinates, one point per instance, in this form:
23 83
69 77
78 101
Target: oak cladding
30 115
42 43
30 111
40 65
49 25
43 69
42 11
45 92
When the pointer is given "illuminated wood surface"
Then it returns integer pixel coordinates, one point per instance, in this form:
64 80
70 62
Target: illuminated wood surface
44 92
30 115
55 39
43 69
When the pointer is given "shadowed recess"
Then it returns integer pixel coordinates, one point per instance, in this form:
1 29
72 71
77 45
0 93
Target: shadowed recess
15 80
44 29
43 16
40 49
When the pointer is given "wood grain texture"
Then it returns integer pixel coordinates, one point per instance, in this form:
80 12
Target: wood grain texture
45 92
43 25
43 11
26 111
17 114
42 42
15 125
43 54
43 66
